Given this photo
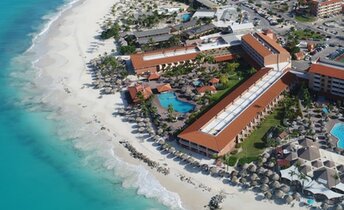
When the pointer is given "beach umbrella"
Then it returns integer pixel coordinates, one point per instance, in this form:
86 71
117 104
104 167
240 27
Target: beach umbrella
172 150
234 173
285 188
177 153
338 207
264 180
260 170
196 164
254 183
264 187
213 170
264 160
275 184
268 195
190 160
324 206
184 157
296 196
139 119
271 164
254 176
222 173
288 199
205 167
243 173
243 180
275 177
245 166
161 141
252 168
165 146
234 179
160 131
268 173
141 129
278 194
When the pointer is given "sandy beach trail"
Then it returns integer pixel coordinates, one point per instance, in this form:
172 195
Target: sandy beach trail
70 43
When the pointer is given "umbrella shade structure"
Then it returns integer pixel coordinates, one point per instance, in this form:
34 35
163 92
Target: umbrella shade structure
234 173
297 196
269 173
165 146
278 194
264 187
245 166
184 156
172 150
243 173
253 183
205 167
243 180
142 129
338 207
260 170
190 160
264 180
252 168
177 153
196 164
161 142
324 206
213 170
268 195
285 188
288 199
234 179
275 177
254 176
275 184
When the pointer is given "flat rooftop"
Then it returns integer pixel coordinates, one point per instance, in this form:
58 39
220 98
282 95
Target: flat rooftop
240 104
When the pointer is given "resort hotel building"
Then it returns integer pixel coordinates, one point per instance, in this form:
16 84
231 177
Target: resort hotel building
327 76
321 8
232 119
221 47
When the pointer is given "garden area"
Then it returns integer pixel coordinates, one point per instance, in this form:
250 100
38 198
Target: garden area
304 18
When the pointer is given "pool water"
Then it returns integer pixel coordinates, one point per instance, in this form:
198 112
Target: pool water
197 83
325 110
168 98
186 17
310 201
338 132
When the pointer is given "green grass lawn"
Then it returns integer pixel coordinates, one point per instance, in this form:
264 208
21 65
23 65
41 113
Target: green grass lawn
307 34
217 96
304 19
253 146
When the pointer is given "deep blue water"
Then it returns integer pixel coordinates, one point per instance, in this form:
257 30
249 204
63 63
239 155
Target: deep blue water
38 170
170 98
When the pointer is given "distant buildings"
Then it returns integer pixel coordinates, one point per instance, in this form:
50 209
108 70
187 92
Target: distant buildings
327 76
153 36
321 8
137 89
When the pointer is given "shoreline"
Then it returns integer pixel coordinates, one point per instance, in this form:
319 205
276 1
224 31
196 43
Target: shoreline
69 44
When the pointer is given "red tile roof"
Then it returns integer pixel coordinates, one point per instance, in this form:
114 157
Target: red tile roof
214 80
326 70
139 63
194 134
253 42
273 43
145 89
164 88
153 76
204 89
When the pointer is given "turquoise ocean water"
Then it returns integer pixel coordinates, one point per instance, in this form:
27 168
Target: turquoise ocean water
38 169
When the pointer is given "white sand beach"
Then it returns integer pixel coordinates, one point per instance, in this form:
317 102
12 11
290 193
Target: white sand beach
69 44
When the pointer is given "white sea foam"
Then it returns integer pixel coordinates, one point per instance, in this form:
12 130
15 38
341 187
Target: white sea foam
41 95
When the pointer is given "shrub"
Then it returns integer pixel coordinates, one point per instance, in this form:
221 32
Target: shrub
244 160
231 161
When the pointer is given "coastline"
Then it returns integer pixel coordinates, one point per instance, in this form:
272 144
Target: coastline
69 44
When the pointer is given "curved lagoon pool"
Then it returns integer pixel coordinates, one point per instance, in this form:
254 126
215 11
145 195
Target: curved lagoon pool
168 98
338 132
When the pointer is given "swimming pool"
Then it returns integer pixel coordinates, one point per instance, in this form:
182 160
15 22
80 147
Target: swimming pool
325 110
186 17
338 132
168 98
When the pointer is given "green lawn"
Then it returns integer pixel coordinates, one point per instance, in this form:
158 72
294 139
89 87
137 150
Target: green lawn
307 34
304 19
253 146
220 93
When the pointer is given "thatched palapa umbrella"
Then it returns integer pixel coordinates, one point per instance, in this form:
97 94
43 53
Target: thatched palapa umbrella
278 194
275 184
296 196
288 199
268 195
285 188
234 179
264 187
161 141
324 206
172 150
253 183
254 176
213 170
275 177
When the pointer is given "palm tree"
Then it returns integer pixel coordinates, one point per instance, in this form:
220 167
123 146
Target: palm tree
170 111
